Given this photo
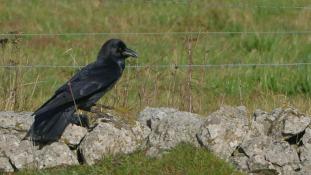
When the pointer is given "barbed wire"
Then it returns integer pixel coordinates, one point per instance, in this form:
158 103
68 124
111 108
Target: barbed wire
176 66
307 32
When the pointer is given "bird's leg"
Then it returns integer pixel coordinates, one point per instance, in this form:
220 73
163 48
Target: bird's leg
80 120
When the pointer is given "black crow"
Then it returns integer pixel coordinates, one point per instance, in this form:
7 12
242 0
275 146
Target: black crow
82 91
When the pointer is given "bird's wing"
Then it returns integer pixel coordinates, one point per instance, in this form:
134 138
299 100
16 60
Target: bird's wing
84 84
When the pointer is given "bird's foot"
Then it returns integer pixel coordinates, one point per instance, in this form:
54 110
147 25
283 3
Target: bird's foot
80 120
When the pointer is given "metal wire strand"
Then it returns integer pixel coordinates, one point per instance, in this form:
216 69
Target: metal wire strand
176 66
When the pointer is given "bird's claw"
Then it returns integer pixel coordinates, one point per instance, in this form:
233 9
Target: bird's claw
80 120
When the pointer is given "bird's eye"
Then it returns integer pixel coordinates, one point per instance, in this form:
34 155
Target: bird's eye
119 50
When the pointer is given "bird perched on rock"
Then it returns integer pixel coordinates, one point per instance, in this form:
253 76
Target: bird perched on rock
82 91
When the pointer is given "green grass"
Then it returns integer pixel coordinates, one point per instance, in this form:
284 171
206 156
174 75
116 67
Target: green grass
142 87
184 159
255 87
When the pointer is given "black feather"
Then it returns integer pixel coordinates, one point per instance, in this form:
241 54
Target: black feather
84 89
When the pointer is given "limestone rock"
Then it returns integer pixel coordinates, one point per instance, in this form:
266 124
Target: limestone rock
8 142
268 147
240 162
5 165
281 153
169 127
277 142
262 121
224 130
23 156
306 139
294 124
26 155
108 138
280 123
253 146
258 165
305 153
73 134
151 117
16 121
56 154
289 170
305 150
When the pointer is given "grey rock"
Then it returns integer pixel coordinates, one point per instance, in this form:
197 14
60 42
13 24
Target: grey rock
55 154
270 124
305 153
264 144
262 122
17 124
109 138
23 156
26 156
141 133
280 123
169 127
73 134
16 121
8 142
262 116
258 165
252 146
289 170
151 117
305 150
241 162
5 165
224 130
281 153
306 138
294 124
306 167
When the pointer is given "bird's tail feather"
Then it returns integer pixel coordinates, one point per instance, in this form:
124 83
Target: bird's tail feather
48 127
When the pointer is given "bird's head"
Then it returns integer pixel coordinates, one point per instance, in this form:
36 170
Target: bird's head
115 49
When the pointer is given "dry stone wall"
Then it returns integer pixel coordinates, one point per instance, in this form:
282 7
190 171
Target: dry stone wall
276 142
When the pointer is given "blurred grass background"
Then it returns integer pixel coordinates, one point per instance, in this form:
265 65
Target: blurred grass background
197 89
203 91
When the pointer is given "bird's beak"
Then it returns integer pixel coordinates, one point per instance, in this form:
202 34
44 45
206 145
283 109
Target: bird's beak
130 53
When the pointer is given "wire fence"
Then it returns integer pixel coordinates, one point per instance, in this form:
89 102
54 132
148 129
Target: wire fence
182 33
217 5
175 66
187 90
198 33
308 32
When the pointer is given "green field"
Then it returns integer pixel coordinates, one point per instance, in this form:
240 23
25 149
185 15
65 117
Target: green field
154 24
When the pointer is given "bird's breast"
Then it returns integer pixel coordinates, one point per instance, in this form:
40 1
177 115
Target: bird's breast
121 65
